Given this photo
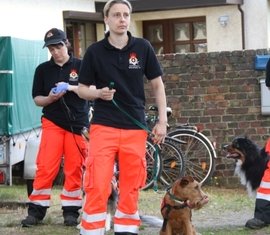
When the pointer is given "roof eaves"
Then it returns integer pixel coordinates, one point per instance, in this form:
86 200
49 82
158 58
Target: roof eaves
85 16
159 5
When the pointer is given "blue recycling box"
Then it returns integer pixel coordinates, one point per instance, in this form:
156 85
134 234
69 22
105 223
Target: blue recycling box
261 61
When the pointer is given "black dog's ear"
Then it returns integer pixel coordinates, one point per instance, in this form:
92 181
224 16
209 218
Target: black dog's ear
240 140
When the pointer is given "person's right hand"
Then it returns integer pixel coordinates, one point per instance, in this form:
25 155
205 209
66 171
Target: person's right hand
56 96
106 93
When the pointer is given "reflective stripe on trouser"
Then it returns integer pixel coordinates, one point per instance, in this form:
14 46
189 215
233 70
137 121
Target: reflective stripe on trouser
55 144
262 207
105 144
126 222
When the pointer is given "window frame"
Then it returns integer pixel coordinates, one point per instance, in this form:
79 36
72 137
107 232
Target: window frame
169 43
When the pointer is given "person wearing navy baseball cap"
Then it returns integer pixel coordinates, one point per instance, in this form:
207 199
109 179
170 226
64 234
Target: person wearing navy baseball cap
64 114
54 36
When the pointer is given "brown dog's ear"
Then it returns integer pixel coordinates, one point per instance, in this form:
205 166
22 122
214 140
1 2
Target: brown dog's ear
186 180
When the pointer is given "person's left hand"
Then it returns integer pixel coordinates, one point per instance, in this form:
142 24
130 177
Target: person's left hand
159 132
60 87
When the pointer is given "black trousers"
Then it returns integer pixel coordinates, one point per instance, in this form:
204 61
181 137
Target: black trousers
262 210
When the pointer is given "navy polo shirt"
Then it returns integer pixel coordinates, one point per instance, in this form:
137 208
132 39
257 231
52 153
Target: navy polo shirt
127 68
70 112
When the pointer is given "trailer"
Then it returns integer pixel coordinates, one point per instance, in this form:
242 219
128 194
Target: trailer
19 116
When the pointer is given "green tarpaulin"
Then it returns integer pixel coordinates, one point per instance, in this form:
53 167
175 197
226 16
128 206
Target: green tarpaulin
18 60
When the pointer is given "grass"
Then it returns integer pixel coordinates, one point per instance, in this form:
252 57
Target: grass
225 214
17 193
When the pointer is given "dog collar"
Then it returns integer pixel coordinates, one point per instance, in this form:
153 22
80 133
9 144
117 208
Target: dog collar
176 199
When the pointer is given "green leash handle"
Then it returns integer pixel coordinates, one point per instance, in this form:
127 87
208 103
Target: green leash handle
111 85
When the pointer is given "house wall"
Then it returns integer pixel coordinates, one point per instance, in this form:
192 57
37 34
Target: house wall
221 93
30 19
256 17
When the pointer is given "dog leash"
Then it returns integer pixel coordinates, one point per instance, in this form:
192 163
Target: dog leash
139 124
169 209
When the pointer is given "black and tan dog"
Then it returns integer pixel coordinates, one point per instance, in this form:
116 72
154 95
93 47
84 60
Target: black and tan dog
184 195
252 166
251 161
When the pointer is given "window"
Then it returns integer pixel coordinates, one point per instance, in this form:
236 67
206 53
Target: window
80 35
177 35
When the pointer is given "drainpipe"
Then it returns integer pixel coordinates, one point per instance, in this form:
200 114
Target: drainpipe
242 25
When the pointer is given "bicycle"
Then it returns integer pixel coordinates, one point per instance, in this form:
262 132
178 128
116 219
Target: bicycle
198 152
168 164
165 163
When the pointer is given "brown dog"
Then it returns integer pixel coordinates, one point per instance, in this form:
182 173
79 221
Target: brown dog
184 195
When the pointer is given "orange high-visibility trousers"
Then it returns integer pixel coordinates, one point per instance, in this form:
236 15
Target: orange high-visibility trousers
55 144
263 192
262 204
267 146
105 144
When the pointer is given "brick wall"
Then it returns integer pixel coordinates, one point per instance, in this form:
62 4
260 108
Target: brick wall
219 92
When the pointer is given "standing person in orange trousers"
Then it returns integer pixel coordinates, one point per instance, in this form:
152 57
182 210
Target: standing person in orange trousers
64 115
262 204
123 60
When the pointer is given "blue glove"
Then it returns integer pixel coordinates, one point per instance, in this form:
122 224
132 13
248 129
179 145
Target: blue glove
61 87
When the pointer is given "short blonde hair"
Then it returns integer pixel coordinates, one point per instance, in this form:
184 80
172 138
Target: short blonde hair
110 3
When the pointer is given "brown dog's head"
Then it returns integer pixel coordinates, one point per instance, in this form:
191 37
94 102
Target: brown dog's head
189 190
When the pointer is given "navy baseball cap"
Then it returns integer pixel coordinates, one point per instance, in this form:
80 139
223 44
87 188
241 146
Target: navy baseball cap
54 36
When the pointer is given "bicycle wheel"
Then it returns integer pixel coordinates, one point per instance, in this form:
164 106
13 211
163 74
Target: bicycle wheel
172 162
198 152
153 167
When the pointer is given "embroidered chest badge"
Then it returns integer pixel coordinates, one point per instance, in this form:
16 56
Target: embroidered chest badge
133 61
73 76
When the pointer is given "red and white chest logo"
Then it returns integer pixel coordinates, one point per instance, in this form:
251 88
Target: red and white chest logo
73 76
133 61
